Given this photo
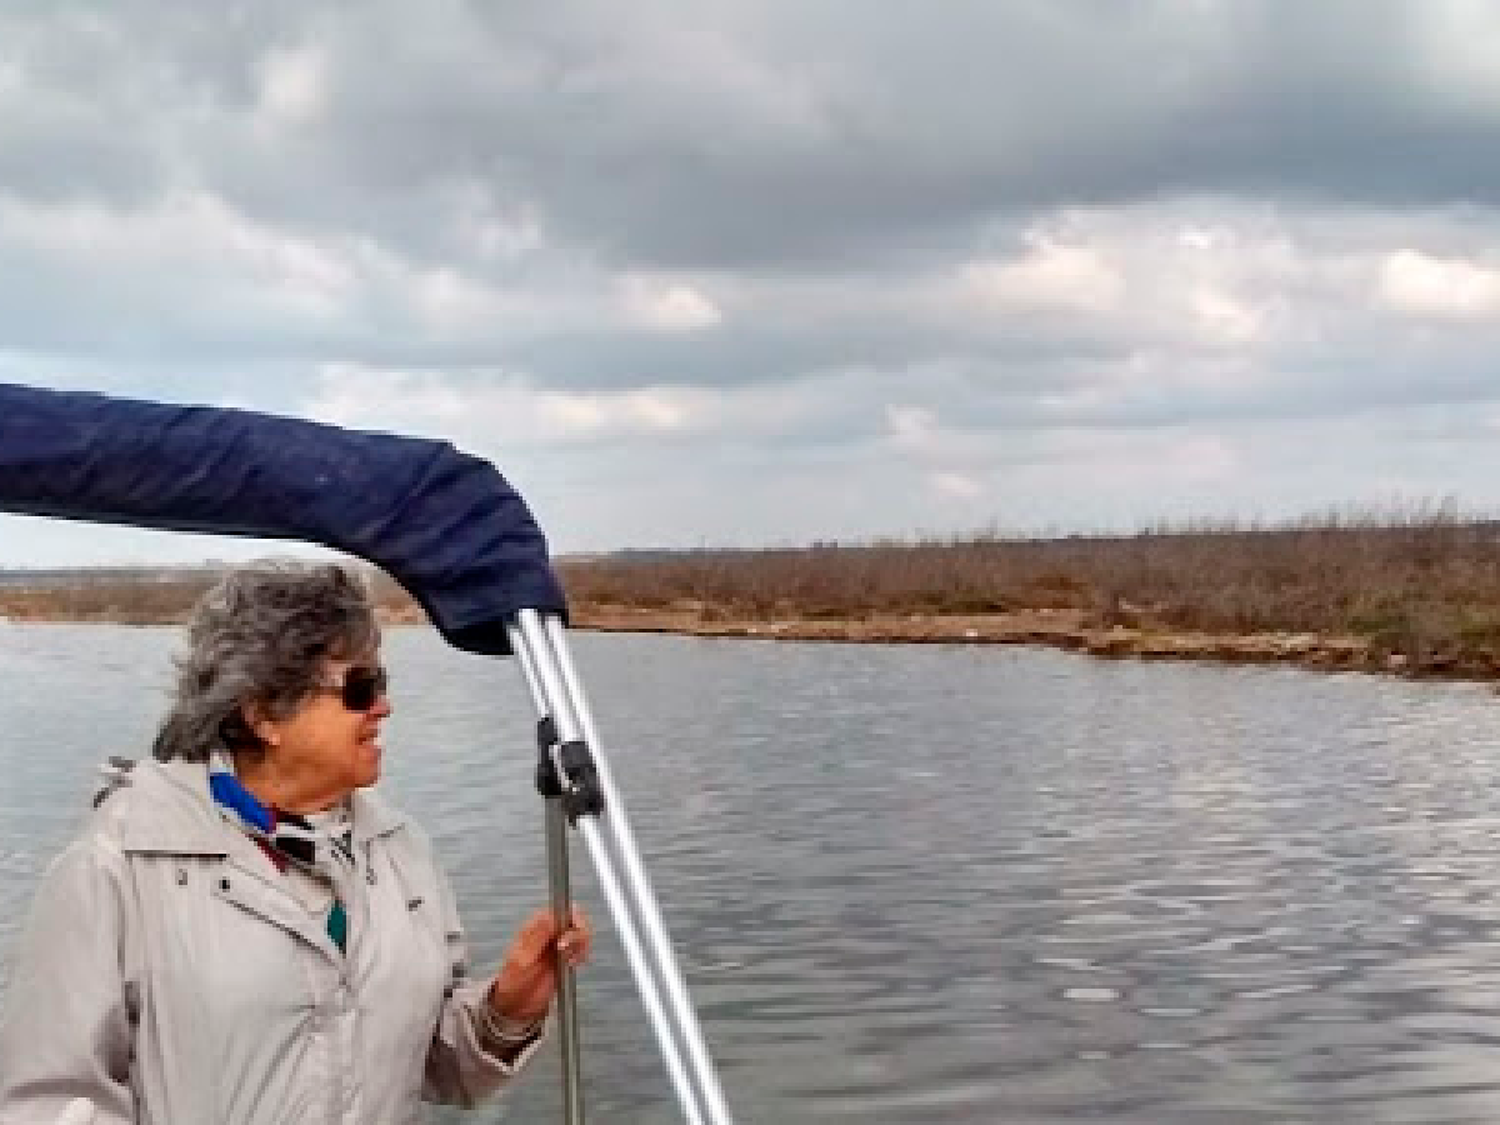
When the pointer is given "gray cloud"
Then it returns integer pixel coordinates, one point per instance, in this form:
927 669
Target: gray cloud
1126 259
754 135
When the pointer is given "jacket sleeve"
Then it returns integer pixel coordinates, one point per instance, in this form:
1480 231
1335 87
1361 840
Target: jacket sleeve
460 1070
65 1032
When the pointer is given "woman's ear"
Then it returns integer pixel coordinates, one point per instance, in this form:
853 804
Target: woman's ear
250 728
261 723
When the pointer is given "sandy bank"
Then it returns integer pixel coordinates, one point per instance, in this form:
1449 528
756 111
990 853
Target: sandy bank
1065 629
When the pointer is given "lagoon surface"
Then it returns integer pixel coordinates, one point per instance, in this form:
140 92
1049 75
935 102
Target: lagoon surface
916 884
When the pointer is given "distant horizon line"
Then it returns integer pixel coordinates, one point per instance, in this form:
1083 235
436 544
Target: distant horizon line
1354 521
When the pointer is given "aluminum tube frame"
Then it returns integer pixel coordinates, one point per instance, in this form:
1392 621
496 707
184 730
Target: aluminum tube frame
540 642
530 639
700 1062
561 898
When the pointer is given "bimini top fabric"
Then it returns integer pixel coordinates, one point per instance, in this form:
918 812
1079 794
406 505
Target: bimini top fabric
446 525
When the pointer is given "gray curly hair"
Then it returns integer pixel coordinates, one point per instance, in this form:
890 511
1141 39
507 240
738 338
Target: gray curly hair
260 636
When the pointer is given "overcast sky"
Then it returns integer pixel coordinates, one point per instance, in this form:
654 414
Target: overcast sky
752 272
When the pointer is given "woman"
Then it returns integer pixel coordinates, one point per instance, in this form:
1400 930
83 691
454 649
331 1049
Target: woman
245 933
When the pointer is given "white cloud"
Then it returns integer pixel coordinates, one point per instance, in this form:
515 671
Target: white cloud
450 301
648 411
957 486
352 394
293 86
668 307
913 428
1050 275
190 265
1195 275
1426 285
943 456
504 410
188 230
1224 317
499 412
493 233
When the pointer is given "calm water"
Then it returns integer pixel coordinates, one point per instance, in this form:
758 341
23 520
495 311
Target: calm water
929 884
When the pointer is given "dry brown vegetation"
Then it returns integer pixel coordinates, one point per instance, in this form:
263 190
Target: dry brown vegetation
1422 587
1418 591
106 596
137 597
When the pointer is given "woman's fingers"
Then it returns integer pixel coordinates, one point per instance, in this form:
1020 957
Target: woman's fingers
541 934
575 944
533 945
536 937
528 974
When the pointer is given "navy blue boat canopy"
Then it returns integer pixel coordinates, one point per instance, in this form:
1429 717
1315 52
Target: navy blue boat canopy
444 524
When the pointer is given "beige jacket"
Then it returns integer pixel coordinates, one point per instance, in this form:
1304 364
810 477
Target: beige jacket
169 976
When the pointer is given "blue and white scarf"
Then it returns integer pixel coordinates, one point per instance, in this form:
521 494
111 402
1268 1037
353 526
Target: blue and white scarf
290 839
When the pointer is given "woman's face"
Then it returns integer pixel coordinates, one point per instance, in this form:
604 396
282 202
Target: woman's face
330 744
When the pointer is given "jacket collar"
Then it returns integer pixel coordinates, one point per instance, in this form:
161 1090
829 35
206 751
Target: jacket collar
374 816
168 809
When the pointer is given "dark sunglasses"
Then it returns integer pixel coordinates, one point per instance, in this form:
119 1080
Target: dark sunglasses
361 688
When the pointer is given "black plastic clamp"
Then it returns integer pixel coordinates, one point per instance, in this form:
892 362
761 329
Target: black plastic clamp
578 783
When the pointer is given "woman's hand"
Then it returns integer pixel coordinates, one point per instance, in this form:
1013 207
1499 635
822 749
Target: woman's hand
523 988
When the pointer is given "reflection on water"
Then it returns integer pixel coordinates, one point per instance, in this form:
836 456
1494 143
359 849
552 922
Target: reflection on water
946 884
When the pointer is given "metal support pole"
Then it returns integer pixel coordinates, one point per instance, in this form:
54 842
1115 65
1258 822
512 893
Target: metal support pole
595 809
571 1046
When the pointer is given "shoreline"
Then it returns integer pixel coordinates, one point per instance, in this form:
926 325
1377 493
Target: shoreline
1069 630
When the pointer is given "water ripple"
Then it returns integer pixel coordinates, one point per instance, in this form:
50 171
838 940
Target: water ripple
947 884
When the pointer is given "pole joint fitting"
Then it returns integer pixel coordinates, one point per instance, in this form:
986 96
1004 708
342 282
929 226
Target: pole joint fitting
566 771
